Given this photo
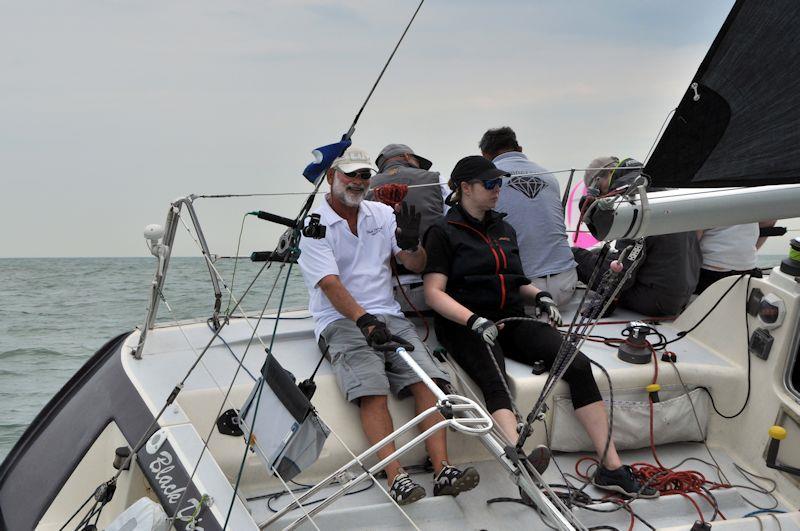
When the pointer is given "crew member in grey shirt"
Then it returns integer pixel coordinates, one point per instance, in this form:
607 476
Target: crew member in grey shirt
398 164
532 201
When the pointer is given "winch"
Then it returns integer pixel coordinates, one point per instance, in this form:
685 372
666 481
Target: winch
635 348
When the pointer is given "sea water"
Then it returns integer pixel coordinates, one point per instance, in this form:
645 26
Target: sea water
56 312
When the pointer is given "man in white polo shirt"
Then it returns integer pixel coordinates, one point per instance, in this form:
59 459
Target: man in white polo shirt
348 275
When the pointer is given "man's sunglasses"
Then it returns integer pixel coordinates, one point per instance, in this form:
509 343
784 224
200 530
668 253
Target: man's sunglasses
491 184
358 174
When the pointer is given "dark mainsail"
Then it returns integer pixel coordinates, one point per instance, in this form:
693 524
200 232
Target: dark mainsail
744 129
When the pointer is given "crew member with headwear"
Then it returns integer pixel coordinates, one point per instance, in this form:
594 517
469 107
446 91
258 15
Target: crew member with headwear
532 201
350 296
400 168
473 278
667 274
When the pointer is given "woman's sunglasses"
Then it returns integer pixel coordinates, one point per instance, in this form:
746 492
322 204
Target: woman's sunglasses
491 184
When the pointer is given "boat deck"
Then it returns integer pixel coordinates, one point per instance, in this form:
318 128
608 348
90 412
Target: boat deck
372 510
713 360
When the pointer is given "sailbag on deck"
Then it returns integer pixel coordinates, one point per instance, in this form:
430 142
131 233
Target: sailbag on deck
287 435
738 123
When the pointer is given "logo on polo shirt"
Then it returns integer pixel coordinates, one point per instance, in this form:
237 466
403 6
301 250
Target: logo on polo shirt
374 231
528 186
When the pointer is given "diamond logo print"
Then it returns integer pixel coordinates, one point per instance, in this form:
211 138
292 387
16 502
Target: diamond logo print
529 186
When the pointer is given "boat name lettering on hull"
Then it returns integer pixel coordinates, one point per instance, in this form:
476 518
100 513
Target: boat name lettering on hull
161 466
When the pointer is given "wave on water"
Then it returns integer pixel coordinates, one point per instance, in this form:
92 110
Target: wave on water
28 352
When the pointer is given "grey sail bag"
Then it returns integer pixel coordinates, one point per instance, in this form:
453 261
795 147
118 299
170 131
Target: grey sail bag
288 435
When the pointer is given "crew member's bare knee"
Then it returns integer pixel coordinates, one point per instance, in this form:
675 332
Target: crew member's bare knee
373 402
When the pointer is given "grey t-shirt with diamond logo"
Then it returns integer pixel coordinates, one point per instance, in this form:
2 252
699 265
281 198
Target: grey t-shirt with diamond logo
533 205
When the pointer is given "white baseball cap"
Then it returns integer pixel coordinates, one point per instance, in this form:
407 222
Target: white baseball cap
354 158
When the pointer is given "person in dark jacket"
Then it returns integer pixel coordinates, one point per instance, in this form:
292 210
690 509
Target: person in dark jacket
667 275
399 165
474 277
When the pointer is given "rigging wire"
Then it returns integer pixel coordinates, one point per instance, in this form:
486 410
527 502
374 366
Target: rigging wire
658 135
260 385
239 366
236 262
259 389
383 70
230 351
189 342
169 400
291 493
302 214
220 278
179 386
700 489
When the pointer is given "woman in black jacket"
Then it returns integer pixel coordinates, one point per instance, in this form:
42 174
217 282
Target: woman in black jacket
474 277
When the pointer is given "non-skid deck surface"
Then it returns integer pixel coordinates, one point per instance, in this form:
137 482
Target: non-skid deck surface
469 511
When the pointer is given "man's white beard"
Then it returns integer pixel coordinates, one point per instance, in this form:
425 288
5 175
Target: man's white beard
350 198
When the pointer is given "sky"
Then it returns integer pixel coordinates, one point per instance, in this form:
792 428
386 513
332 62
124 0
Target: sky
110 110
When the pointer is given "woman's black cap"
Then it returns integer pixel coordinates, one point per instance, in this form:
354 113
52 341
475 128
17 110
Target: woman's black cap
474 168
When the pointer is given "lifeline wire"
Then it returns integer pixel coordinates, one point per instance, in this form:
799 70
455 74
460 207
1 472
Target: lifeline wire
216 334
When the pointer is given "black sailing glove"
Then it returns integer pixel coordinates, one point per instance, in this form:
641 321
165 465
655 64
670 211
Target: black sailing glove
483 327
374 330
546 305
408 220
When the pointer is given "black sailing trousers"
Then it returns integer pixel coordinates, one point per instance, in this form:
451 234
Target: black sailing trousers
522 341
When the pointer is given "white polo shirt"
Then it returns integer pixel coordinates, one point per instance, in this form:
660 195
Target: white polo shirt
361 262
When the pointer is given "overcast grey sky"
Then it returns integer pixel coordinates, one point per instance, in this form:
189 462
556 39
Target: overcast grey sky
111 109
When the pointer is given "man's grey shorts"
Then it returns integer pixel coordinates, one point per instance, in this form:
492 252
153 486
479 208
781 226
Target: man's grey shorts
561 285
362 371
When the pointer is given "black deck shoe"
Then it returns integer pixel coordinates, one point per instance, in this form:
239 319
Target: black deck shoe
404 490
451 481
539 458
624 481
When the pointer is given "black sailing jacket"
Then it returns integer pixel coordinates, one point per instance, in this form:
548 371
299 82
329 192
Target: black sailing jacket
485 268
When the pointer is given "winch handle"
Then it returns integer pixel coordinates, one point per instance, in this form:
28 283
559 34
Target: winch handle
628 330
